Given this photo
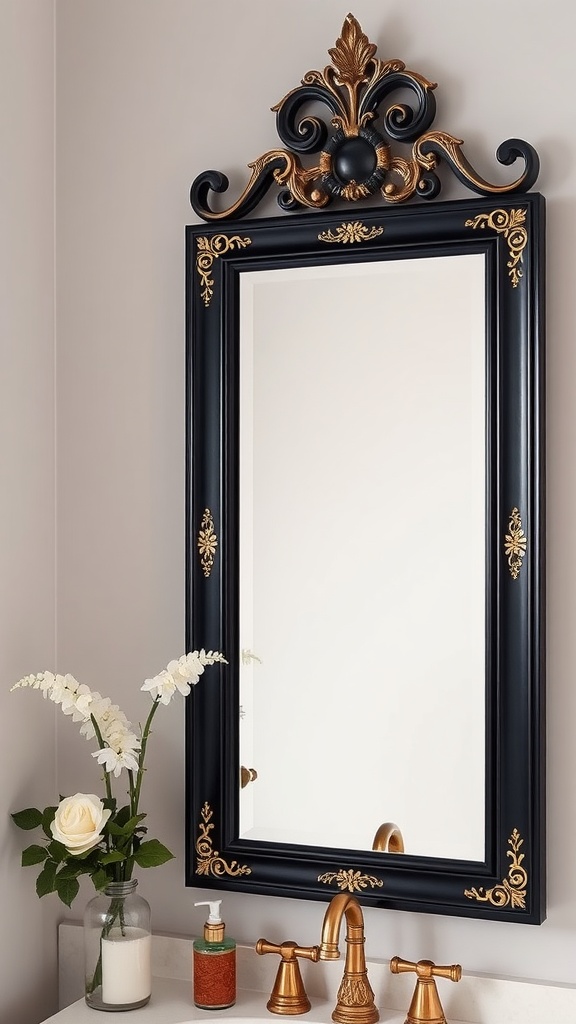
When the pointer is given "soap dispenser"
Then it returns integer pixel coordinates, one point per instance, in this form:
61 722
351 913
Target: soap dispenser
214 963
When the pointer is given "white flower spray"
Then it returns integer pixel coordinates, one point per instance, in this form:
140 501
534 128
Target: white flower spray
119 846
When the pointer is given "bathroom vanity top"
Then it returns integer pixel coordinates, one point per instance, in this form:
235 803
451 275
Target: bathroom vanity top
476 999
171 1003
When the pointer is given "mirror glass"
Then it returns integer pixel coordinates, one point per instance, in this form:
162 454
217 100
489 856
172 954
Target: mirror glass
362 598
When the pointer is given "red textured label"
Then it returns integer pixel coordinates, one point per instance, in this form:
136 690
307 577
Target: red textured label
215 980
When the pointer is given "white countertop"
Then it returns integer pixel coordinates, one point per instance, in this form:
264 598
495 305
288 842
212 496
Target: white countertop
171 1003
476 999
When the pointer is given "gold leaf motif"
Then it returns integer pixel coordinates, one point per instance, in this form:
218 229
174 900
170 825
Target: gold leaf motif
352 53
515 543
209 861
355 991
207 542
351 231
512 890
352 881
354 191
208 250
510 224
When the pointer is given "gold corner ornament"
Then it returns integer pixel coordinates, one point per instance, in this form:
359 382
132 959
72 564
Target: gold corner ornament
512 890
515 543
209 861
351 231
210 249
207 542
350 880
510 224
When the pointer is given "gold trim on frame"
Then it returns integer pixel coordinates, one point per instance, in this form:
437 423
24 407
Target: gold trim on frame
209 861
515 543
208 250
351 231
512 890
510 224
207 542
352 881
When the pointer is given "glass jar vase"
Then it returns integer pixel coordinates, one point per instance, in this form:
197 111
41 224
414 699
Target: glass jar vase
117 947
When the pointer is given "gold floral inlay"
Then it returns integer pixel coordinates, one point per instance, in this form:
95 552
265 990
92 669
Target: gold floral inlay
351 231
209 861
515 543
352 881
512 890
207 542
509 223
208 250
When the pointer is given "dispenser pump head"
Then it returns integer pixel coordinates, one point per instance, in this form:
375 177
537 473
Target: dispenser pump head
214 926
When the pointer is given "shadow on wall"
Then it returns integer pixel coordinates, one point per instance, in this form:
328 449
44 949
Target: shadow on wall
25 1010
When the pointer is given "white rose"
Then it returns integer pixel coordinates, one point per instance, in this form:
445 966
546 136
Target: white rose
79 821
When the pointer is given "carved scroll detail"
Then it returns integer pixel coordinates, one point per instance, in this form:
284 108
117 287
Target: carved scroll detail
510 224
354 143
512 890
209 861
208 250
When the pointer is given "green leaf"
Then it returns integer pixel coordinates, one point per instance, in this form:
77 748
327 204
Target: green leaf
100 878
123 814
114 857
45 880
70 870
109 803
33 855
113 829
29 818
67 889
57 851
151 854
47 819
127 829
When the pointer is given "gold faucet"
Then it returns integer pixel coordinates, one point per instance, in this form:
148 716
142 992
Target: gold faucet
355 1001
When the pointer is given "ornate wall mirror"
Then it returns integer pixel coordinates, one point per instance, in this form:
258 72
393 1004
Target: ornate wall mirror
365 513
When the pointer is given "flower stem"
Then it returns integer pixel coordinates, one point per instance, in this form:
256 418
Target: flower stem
101 744
142 755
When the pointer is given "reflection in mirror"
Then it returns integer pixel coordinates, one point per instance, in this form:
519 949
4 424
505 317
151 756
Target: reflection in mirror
362 593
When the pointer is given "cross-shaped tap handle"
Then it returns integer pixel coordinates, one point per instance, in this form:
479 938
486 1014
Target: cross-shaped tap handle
425 1007
288 994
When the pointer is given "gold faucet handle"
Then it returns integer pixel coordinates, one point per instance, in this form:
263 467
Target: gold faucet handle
425 1007
288 995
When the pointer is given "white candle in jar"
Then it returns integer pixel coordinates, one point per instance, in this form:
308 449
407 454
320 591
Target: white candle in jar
126 970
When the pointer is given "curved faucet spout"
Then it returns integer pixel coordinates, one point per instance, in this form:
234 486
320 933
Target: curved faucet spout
342 904
355 1004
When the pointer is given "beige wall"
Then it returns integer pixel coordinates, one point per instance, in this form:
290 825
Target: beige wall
149 93
27 554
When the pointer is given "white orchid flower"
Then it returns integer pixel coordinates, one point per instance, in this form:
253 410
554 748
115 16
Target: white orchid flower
121 747
181 675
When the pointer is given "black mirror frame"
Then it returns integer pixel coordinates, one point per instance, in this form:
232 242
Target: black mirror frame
509 885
